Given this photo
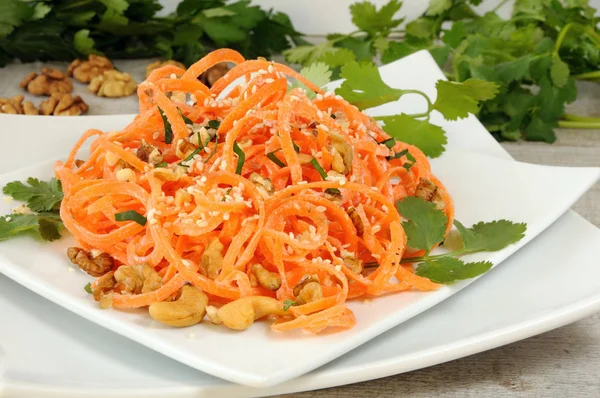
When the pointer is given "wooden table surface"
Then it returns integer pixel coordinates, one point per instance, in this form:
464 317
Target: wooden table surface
563 362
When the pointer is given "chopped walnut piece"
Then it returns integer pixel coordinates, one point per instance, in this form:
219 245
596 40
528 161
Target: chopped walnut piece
149 153
85 71
354 264
137 279
93 265
113 83
358 224
50 81
213 74
428 191
158 64
267 279
104 285
264 185
63 105
212 258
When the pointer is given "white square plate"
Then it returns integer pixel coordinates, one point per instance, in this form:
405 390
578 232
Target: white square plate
502 189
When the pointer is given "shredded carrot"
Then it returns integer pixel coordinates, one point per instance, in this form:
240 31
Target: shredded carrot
246 166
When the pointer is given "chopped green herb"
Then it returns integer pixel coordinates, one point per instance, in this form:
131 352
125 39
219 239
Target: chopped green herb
318 167
271 156
226 193
88 288
296 147
168 128
131 215
398 155
214 124
186 119
390 142
162 164
288 303
333 116
241 158
214 149
333 191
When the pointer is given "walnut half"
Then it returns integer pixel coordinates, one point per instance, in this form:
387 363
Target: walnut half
49 82
93 265
85 71
63 105
113 84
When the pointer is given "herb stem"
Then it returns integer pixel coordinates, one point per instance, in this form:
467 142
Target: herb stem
434 257
425 96
569 124
503 2
587 75
561 38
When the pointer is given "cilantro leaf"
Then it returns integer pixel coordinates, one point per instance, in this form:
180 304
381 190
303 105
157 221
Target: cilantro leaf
338 57
12 14
241 158
83 43
88 288
490 236
44 224
425 225
457 100
364 87
426 136
559 72
39 195
307 54
168 128
367 18
448 270
318 73
437 7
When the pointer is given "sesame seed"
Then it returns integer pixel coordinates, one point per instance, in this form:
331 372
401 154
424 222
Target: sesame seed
302 182
319 97
291 235
155 135
321 209
338 268
270 68
374 255
384 208
201 223
320 114
338 97
226 216
342 181
375 188
203 179
323 127
269 80
328 94
376 228
296 206
187 263
254 88
153 221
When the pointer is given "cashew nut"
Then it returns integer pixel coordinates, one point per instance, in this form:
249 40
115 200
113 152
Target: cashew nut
188 310
241 313
268 280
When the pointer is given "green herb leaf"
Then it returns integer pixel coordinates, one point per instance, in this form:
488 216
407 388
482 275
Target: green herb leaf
44 224
490 236
437 7
39 195
168 128
559 72
364 87
426 136
318 73
425 225
12 14
214 149
83 43
161 164
131 215
367 18
214 124
318 167
186 119
448 270
241 158
288 303
271 156
457 100
88 288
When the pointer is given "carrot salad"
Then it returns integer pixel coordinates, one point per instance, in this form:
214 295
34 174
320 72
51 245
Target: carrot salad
245 191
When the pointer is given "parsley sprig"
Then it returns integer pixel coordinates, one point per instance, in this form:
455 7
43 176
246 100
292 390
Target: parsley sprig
425 227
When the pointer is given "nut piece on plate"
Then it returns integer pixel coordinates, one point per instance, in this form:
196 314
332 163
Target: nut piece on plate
16 106
158 64
93 265
63 105
113 84
213 74
85 71
49 82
